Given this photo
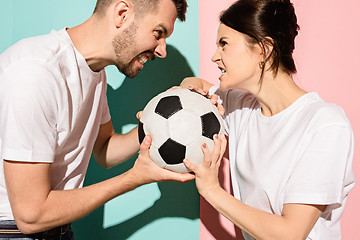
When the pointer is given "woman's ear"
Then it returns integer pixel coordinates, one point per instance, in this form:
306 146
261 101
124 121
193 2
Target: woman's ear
267 46
122 11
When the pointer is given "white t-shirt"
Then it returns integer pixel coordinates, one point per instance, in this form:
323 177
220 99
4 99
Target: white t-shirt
51 107
300 155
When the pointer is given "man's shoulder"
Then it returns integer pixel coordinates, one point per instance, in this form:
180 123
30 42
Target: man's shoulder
43 49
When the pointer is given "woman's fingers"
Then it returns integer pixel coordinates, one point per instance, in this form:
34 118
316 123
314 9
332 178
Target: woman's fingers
217 102
216 153
218 150
223 144
198 90
207 155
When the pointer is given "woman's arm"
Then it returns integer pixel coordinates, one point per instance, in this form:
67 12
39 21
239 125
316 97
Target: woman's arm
197 84
201 86
296 220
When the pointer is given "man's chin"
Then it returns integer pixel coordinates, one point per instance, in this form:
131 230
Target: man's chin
129 74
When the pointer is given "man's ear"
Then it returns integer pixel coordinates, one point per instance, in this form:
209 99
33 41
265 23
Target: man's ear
122 12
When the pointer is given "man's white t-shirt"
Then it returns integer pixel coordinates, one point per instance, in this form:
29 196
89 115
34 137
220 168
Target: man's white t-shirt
51 107
300 155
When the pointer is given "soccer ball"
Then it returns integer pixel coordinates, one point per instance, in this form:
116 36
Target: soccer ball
179 121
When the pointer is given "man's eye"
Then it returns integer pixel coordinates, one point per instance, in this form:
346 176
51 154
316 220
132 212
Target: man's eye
158 34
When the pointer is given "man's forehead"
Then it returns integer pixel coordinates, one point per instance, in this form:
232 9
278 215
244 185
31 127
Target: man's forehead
162 18
166 24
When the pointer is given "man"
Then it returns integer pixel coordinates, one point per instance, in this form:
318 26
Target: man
54 114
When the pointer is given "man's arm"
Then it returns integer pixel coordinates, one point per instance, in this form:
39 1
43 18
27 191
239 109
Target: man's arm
110 148
37 208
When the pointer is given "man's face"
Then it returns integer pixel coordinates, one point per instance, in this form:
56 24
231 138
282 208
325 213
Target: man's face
144 39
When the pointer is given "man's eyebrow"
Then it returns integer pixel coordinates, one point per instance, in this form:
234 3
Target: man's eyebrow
164 29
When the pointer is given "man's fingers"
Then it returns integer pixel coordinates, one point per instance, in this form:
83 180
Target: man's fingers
183 177
145 145
138 114
189 165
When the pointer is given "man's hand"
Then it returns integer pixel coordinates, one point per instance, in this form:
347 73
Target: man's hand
146 171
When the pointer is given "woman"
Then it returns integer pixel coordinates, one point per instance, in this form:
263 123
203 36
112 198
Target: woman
290 152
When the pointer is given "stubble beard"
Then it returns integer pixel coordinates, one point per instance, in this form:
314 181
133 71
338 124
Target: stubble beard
124 47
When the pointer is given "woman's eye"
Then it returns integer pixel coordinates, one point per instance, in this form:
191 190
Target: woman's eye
223 43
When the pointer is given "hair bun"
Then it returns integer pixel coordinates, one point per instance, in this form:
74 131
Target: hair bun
283 12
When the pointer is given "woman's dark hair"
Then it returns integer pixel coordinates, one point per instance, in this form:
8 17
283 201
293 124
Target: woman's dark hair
271 21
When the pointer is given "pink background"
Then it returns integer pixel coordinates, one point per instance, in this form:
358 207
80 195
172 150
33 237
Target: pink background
327 57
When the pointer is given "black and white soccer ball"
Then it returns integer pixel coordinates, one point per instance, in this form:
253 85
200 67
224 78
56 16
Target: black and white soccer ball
179 121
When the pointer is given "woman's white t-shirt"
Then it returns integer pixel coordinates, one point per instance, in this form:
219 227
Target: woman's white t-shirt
300 155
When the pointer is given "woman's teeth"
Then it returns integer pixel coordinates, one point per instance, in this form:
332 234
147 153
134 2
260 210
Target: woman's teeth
223 71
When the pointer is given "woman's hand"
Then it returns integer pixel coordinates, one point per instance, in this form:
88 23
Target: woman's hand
202 87
206 173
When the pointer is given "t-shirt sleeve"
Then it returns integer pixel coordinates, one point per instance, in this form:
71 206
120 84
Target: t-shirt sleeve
222 95
105 116
232 100
28 114
324 174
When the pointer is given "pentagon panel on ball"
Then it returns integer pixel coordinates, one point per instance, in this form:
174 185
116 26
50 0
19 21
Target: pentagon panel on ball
179 121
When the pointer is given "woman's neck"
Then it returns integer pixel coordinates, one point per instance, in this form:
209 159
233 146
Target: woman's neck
277 93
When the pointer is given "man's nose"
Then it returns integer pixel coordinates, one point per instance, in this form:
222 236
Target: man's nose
160 50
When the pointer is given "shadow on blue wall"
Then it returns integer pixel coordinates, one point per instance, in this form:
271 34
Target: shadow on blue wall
177 199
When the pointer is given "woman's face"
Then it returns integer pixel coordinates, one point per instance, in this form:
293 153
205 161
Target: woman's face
237 60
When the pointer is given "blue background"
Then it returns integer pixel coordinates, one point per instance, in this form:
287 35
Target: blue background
155 211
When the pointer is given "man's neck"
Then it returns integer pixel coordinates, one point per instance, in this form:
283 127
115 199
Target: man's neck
90 39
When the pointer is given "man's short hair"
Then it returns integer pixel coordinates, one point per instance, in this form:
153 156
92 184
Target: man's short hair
143 6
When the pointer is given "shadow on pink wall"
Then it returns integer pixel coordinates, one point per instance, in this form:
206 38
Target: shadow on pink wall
326 56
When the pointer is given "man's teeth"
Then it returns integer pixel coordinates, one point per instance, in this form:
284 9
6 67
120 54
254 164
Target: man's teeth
143 59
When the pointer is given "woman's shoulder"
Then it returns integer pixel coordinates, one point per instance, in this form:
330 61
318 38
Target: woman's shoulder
325 113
